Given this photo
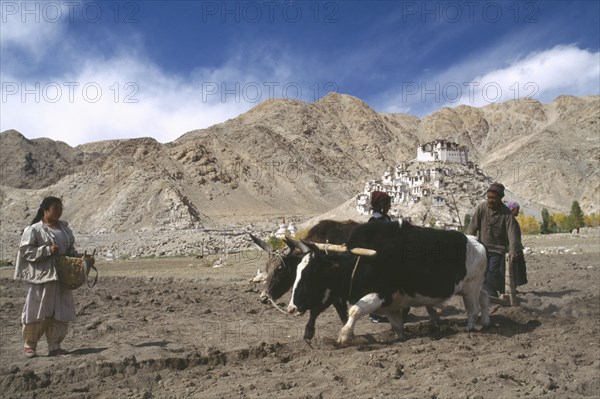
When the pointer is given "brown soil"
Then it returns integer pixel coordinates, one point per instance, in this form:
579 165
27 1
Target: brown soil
176 328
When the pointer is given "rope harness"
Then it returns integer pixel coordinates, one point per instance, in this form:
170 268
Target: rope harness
353 270
352 278
280 256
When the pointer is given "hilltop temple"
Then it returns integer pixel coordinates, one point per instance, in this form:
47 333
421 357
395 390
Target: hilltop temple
410 187
444 151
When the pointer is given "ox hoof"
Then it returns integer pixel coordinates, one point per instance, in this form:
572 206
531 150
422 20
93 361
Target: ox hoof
309 334
346 339
400 336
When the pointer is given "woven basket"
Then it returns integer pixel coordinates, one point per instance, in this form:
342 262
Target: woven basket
73 271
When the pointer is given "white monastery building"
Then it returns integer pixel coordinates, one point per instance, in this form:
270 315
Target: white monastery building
408 187
444 151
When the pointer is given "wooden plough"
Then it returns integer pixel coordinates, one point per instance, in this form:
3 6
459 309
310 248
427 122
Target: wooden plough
510 297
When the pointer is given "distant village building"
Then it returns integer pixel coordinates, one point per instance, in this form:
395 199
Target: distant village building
408 188
444 151
289 230
362 203
438 201
292 229
110 256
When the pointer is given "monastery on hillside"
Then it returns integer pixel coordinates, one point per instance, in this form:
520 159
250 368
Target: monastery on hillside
408 188
444 151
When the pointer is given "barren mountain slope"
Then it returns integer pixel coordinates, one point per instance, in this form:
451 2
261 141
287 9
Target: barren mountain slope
547 153
35 163
295 159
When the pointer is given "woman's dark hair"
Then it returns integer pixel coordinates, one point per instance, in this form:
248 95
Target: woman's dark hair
378 206
379 199
46 204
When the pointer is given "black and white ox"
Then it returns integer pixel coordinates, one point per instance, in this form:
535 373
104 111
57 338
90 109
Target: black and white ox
413 266
281 267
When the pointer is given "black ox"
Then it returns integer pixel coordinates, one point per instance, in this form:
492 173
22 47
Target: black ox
414 266
281 268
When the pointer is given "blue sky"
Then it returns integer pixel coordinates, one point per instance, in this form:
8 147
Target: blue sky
84 71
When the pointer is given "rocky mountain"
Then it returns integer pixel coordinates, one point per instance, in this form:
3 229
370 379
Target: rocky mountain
294 159
546 153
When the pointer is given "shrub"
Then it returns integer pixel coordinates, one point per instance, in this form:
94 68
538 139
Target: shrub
529 224
592 220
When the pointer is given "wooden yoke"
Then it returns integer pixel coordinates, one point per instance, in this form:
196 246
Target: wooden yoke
510 298
343 248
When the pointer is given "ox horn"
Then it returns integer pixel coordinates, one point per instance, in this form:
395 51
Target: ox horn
292 244
261 243
343 248
302 246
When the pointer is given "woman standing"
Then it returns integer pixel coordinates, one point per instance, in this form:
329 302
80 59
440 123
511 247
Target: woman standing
48 306
519 266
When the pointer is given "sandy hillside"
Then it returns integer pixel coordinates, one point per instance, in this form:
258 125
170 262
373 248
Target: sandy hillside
288 158
176 328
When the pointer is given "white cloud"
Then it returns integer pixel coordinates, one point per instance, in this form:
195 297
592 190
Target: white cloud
125 95
543 75
34 36
137 98
118 98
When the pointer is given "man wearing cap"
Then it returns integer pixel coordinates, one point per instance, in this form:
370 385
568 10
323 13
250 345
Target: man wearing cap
495 226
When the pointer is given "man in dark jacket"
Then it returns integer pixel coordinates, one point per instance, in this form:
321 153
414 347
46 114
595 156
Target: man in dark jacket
380 205
495 226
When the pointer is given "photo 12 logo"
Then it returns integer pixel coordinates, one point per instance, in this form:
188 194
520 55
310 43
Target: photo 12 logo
271 173
252 12
466 92
469 11
69 11
240 331
516 172
54 92
255 92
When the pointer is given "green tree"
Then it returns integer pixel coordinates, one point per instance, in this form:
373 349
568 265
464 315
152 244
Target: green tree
552 226
576 216
561 223
545 226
